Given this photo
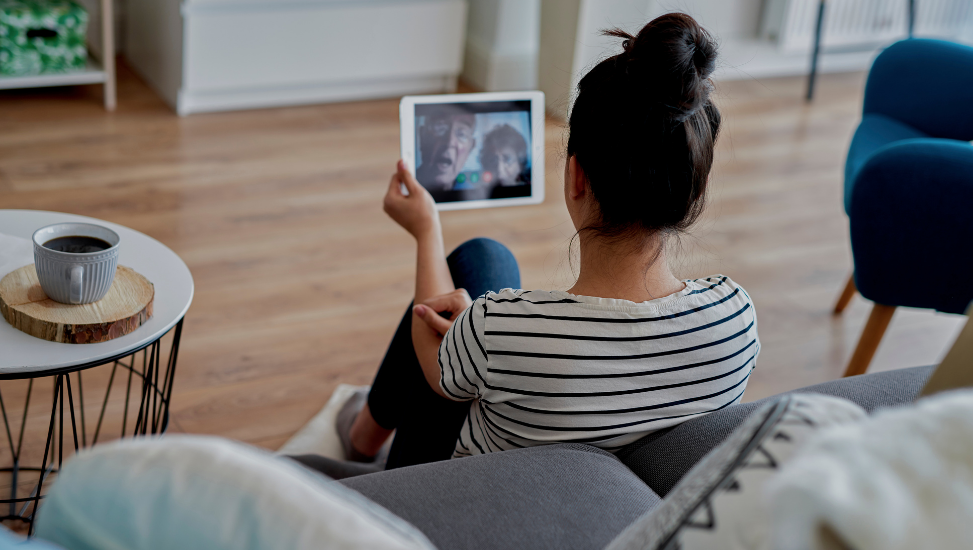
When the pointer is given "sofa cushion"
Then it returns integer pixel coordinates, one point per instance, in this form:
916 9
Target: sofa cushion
663 457
718 504
555 496
208 493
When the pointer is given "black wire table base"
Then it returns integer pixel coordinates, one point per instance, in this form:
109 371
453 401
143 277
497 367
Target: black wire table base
144 366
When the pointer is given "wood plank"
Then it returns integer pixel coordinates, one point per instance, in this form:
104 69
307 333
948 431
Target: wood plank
127 305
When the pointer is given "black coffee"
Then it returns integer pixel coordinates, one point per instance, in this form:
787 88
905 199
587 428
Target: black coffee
77 245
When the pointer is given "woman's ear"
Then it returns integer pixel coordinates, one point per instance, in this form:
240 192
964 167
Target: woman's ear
576 180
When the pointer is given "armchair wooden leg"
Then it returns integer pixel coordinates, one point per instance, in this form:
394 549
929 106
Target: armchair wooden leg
846 295
872 334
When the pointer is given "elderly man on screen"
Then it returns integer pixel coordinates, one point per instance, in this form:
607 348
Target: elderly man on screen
446 141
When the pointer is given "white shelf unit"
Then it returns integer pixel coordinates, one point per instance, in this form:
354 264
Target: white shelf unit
93 73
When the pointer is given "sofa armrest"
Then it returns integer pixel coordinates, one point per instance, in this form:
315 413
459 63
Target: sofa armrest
662 458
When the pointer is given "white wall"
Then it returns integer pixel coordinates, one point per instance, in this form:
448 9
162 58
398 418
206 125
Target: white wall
571 43
598 15
154 46
94 9
726 19
502 45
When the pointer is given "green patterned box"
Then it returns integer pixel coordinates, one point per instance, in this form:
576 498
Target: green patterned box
42 36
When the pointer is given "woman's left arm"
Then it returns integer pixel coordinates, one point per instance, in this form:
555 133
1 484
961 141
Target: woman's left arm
417 213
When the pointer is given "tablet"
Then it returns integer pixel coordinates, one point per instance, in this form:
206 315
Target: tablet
475 150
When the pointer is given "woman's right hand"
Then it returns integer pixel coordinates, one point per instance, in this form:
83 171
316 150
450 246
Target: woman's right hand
415 211
428 329
454 303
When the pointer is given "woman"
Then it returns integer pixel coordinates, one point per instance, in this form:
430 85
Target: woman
505 155
629 349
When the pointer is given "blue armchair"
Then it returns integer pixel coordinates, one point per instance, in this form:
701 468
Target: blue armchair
909 187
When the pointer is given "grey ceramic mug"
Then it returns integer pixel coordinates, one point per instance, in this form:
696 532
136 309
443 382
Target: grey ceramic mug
71 277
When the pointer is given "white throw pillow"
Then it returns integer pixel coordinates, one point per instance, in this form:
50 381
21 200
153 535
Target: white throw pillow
718 504
195 492
13 541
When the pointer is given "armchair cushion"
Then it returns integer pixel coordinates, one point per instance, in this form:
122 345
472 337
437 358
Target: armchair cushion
873 133
911 225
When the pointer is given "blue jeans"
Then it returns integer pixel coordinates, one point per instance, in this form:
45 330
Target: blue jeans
427 424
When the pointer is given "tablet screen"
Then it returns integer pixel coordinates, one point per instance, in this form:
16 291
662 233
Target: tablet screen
474 151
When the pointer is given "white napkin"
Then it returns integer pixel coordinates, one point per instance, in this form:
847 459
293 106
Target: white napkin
15 252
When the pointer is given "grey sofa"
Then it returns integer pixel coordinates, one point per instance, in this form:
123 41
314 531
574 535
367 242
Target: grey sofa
576 496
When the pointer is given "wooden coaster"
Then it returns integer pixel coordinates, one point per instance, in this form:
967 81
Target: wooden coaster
128 304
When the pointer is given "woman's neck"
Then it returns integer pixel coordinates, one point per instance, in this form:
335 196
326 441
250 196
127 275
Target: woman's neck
619 270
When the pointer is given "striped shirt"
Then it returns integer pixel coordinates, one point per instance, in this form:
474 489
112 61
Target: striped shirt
544 366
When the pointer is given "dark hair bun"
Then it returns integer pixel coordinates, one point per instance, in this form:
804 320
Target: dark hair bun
643 127
670 59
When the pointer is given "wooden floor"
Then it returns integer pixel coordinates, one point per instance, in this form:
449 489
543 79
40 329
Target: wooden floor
300 278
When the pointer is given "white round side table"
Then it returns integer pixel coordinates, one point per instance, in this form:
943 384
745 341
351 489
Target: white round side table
136 355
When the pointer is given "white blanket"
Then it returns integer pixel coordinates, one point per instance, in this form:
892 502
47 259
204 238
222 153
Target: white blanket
902 479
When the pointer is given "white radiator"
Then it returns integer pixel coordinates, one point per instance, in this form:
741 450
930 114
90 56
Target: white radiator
858 23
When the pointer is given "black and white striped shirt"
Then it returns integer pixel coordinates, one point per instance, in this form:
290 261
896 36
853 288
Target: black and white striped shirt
549 367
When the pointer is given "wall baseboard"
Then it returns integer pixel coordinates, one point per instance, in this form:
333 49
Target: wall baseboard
229 100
